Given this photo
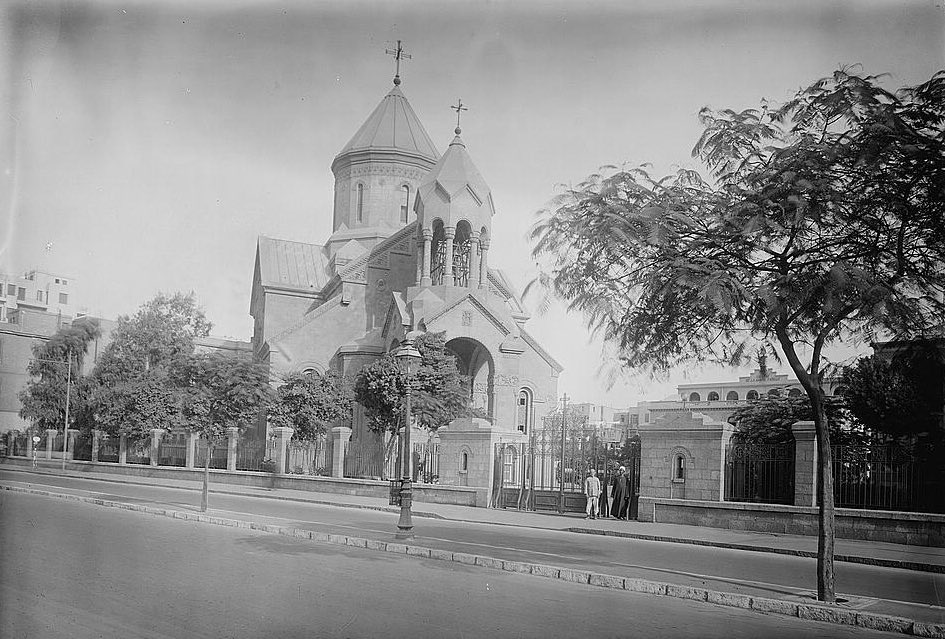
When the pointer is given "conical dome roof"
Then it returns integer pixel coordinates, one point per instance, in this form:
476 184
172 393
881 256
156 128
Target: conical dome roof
393 126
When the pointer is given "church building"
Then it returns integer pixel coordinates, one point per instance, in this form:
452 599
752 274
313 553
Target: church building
409 250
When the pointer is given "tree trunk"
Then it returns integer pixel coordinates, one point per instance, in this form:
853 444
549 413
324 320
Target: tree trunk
205 494
825 503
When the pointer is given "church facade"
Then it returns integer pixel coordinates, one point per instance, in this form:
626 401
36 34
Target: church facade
409 250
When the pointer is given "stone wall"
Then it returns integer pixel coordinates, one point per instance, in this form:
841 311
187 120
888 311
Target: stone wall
918 529
699 441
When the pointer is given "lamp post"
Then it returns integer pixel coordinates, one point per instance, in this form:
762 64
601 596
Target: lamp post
564 415
65 426
410 356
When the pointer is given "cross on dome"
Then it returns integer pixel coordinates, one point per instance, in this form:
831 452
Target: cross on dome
459 108
399 55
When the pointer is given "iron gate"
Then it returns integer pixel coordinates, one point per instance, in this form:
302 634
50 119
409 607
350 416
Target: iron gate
532 476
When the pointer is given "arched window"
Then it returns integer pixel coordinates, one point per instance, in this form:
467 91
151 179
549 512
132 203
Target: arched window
405 207
679 467
694 397
524 414
774 392
360 202
752 394
438 250
713 397
732 396
464 467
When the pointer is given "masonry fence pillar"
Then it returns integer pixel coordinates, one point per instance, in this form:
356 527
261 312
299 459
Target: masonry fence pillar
156 434
282 436
232 437
71 435
29 443
50 438
191 453
123 450
805 463
96 442
339 435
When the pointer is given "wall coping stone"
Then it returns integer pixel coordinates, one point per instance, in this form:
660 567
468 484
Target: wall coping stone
806 510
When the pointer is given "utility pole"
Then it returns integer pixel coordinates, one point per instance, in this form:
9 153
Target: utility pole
65 426
564 414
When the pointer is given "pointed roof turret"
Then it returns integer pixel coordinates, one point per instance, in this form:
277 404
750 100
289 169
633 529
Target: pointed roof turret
455 189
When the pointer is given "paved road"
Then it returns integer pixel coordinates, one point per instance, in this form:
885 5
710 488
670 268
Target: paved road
716 568
77 570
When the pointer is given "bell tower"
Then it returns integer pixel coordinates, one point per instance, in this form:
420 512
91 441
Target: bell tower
454 214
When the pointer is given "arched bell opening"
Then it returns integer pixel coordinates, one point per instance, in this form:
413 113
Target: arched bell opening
475 362
462 245
438 253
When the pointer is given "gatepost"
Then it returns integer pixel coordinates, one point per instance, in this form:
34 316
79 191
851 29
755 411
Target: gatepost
71 436
50 438
232 437
96 442
805 463
156 444
282 435
191 452
123 450
339 435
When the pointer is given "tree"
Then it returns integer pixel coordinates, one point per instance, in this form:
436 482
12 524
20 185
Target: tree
311 403
901 397
823 220
133 389
768 420
56 362
439 394
221 391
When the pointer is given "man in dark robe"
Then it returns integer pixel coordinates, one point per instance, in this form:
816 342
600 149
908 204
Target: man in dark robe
604 494
621 495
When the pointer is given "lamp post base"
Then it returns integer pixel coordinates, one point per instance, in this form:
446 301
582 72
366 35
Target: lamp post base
405 523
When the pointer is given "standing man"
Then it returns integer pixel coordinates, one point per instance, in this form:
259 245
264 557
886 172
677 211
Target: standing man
592 492
621 495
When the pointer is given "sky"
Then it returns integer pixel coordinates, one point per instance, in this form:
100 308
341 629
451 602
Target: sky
146 145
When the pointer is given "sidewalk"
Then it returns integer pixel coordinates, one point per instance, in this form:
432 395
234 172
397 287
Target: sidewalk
922 558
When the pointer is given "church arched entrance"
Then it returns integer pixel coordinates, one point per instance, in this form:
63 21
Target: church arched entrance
475 362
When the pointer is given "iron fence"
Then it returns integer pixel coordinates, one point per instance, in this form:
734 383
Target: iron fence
366 458
172 449
108 449
760 473
82 443
139 452
217 457
426 462
19 444
250 453
887 476
309 457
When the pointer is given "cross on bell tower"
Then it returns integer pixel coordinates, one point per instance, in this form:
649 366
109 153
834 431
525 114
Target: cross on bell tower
459 108
399 54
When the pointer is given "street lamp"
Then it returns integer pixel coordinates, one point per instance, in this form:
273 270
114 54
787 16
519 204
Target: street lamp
65 425
408 354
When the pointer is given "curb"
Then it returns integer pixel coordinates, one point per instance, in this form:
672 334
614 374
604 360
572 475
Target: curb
850 559
814 612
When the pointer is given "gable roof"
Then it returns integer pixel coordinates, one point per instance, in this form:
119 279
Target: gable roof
292 265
